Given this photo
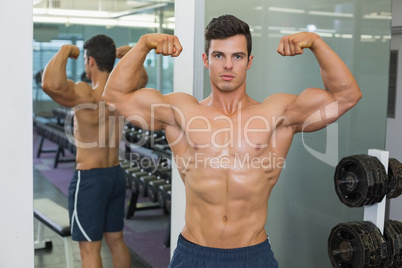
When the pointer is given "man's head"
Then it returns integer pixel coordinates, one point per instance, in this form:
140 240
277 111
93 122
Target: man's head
103 50
226 26
227 53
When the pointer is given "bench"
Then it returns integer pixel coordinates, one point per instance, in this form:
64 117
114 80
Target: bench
54 216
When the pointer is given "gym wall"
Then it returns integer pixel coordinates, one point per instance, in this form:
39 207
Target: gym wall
16 195
394 126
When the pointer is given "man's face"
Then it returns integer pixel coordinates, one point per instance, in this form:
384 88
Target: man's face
228 62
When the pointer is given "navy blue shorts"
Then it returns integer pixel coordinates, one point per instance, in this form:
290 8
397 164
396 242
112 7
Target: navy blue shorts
188 254
96 200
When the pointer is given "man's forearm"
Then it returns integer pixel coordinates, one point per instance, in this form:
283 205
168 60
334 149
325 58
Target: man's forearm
126 75
54 76
336 76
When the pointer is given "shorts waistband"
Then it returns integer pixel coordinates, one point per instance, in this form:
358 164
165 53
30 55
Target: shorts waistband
94 171
223 254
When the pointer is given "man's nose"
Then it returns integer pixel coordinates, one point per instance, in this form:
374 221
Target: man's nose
229 64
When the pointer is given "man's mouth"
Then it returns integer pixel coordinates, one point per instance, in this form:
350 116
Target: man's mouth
227 77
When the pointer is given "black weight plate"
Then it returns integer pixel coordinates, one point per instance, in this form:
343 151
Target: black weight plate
353 185
367 241
342 234
394 246
394 186
379 244
379 176
397 226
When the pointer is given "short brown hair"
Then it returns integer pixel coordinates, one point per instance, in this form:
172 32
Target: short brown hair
103 50
226 26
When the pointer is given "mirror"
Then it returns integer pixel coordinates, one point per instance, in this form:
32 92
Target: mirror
73 22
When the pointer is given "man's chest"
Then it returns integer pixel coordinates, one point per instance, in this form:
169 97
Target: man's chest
239 132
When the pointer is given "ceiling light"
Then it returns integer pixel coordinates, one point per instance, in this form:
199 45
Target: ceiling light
144 24
288 32
311 28
279 28
98 22
377 17
322 34
57 20
70 13
287 10
331 14
88 21
347 36
93 14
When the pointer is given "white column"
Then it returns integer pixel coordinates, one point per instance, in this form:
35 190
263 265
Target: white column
188 77
376 212
16 191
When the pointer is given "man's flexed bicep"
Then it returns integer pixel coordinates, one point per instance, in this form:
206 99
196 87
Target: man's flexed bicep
315 108
126 75
312 110
55 82
122 91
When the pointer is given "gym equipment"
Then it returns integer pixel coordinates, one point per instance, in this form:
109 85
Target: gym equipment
149 167
161 196
143 184
393 236
153 189
362 180
169 201
60 114
357 245
56 134
394 187
154 140
135 177
126 166
56 218
361 245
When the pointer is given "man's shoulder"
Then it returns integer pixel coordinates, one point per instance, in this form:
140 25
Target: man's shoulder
83 88
279 95
279 99
178 98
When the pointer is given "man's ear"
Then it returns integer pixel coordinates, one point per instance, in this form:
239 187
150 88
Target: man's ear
250 61
92 61
205 60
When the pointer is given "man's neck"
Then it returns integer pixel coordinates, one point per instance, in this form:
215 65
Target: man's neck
228 102
98 81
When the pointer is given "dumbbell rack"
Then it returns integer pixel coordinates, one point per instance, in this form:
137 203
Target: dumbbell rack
376 212
134 205
367 181
149 145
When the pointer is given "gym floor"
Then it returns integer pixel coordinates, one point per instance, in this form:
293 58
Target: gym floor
55 257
